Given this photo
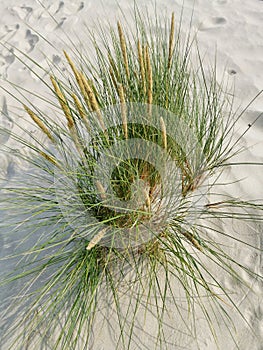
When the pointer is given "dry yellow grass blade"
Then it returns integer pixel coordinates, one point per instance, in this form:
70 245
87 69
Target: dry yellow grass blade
170 56
96 239
81 111
101 190
141 64
192 240
123 110
171 42
164 135
72 65
63 102
114 68
123 49
39 123
112 75
93 100
78 79
147 198
49 158
149 80
75 138
64 106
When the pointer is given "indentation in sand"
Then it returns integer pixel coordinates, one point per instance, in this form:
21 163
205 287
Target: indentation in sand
212 23
231 71
32 40
5 122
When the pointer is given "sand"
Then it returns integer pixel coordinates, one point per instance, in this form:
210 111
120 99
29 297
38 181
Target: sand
232 29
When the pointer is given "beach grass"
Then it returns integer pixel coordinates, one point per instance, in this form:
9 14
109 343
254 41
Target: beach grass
116 211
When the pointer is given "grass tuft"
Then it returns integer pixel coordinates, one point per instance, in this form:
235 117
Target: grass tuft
115 217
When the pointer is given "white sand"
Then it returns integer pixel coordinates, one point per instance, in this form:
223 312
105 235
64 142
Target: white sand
234 28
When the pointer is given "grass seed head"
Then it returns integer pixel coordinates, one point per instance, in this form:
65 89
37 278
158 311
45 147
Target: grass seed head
39 123
171 42
123 50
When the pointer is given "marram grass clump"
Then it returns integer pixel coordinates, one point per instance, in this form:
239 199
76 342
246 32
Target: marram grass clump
112 220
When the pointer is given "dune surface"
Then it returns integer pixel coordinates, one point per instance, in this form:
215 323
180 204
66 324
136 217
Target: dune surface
231 29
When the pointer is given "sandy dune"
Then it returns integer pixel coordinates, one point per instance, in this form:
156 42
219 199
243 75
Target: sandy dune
231 28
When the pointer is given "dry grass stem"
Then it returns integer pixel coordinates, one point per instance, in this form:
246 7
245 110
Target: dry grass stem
49 158
113 78
192 240
141 64
115 71
123 49
96 239
123 110
101 190
93 100
72 66
81 111
67 112
171 42
78 79
147 198
144 57
149 79
63 103
75 138
39 123
164 135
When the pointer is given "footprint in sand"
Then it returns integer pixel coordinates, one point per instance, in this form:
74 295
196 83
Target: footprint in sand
212 23
6 163
23 12
231 71
9 57
32 40
6 123
7 169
